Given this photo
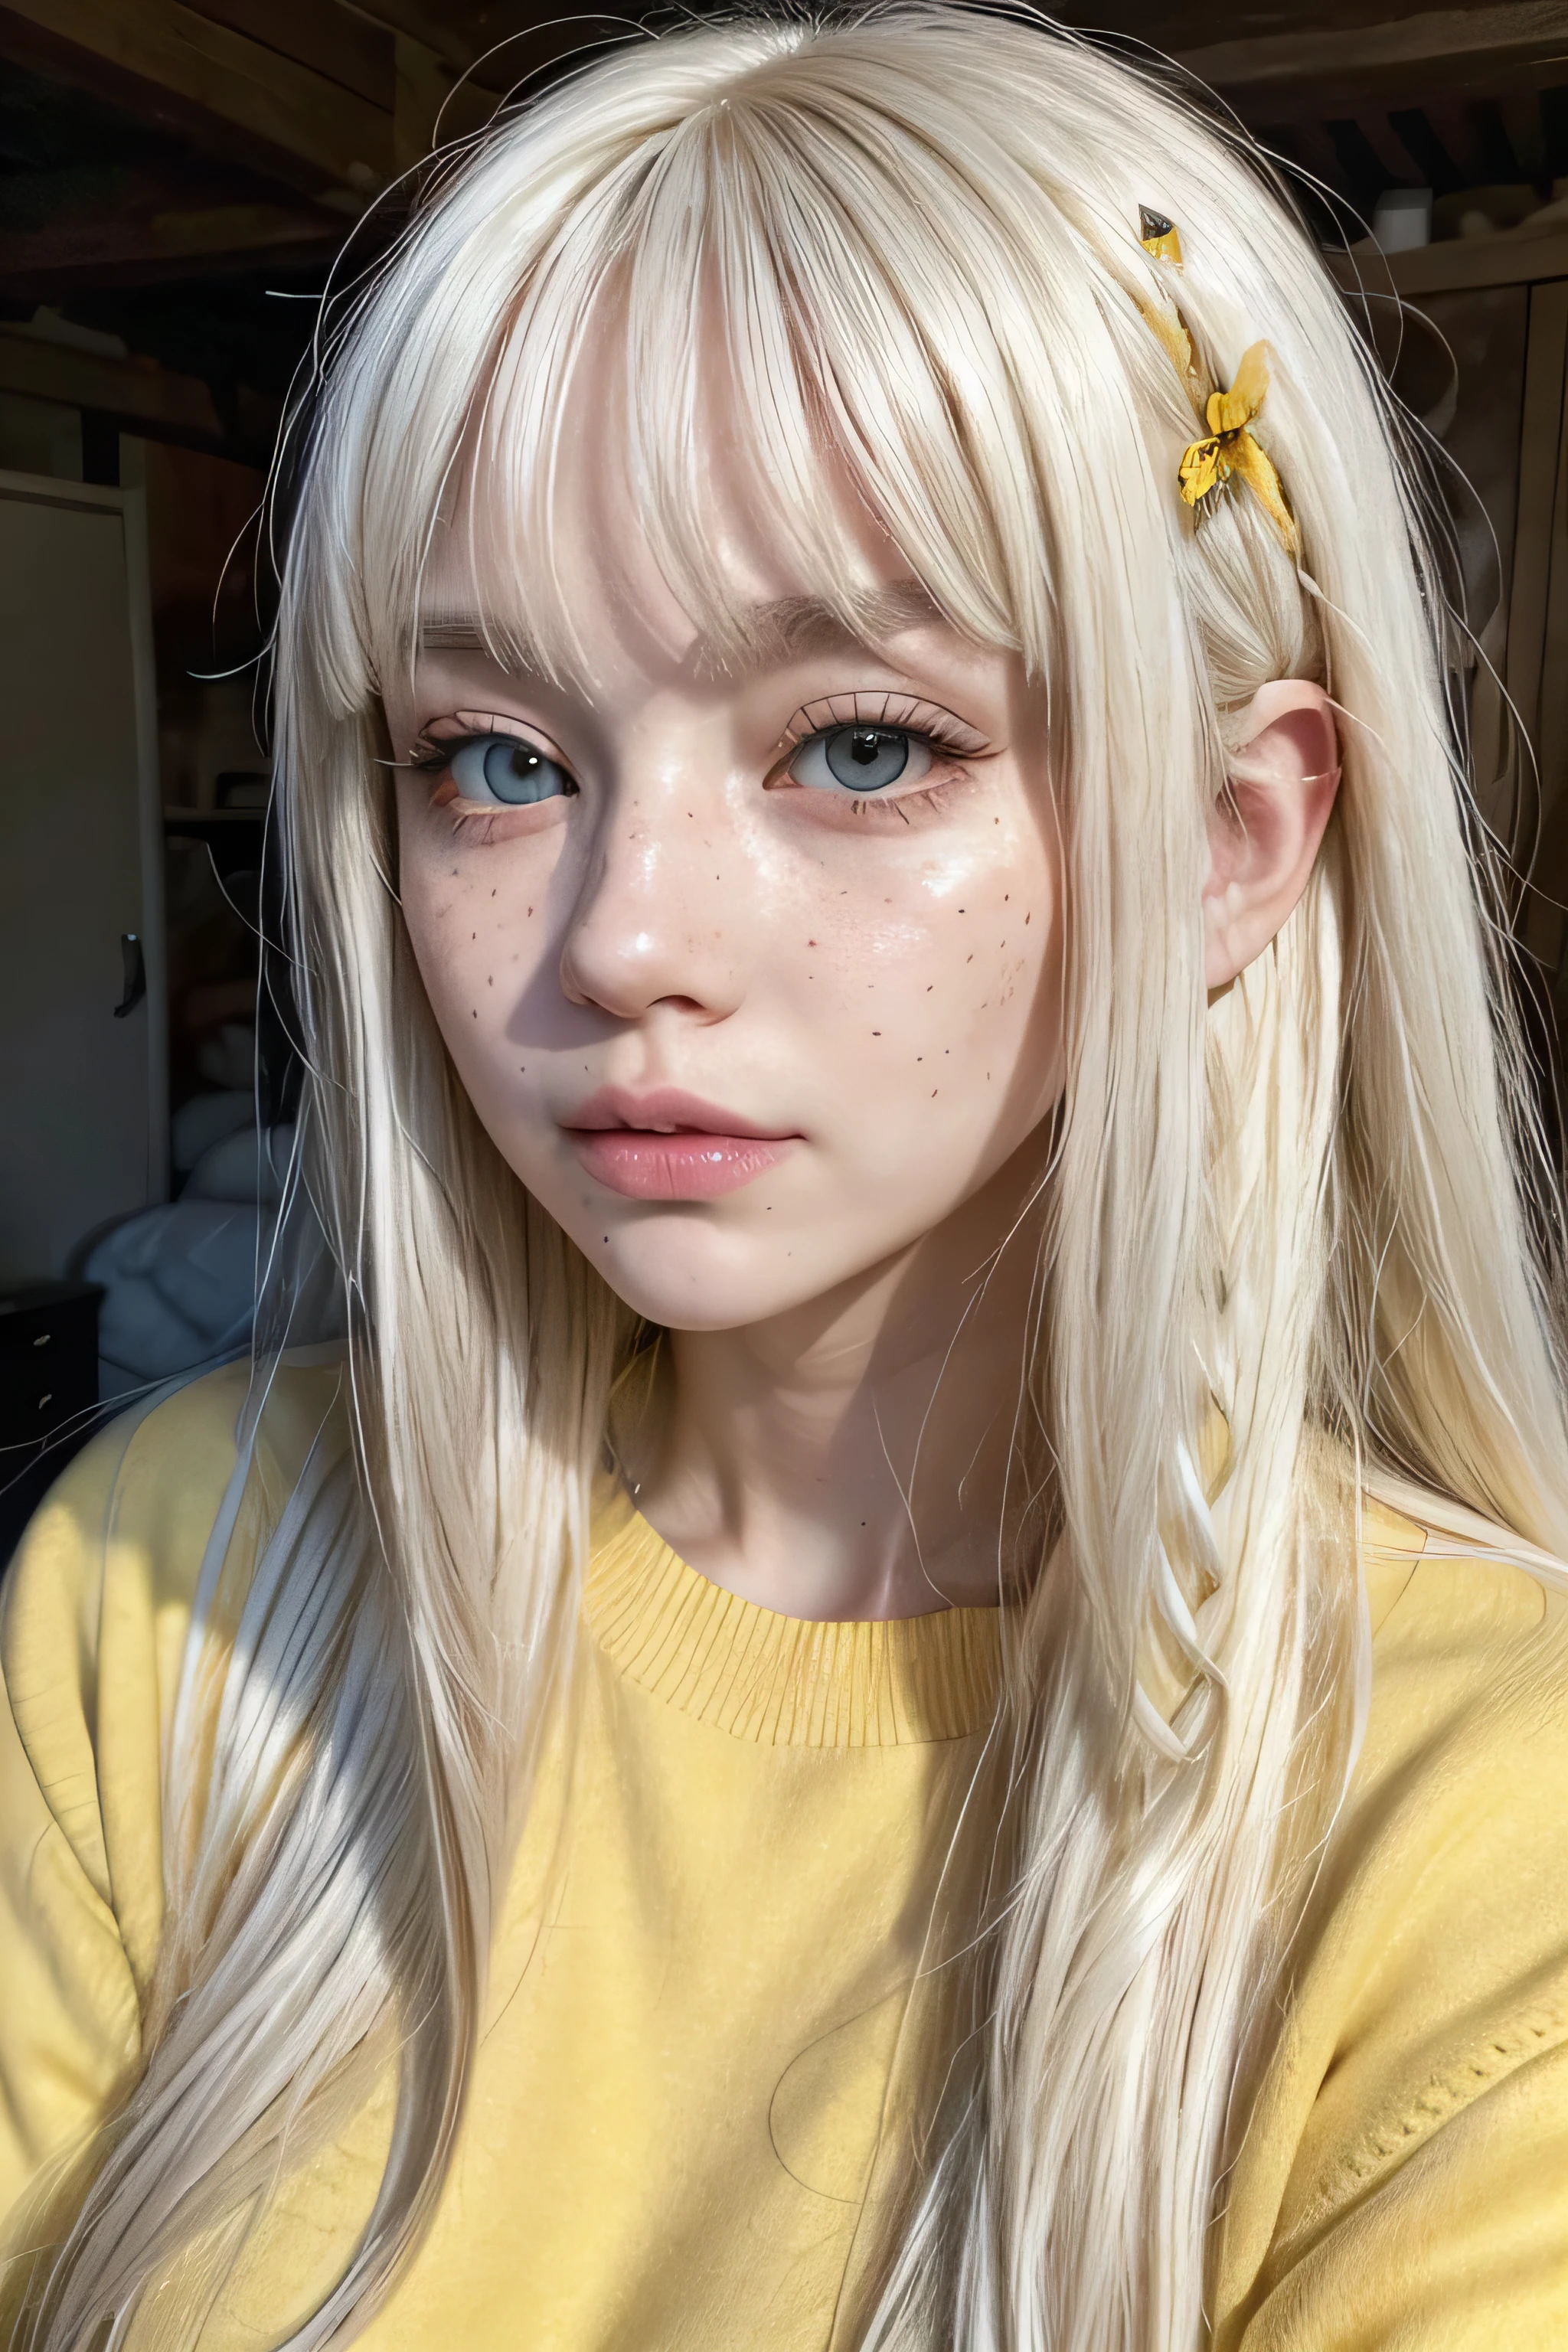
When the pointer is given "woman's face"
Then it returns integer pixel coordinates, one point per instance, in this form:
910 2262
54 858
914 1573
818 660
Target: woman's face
751 971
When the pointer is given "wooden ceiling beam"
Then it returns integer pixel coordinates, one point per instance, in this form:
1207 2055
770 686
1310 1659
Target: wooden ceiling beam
500 44
319 97
435 27
231 95
127 246
341 45
1345 69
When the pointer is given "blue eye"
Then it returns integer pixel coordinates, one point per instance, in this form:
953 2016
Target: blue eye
860 759
504 768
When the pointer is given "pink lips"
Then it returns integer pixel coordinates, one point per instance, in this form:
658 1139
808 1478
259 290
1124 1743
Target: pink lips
670 1146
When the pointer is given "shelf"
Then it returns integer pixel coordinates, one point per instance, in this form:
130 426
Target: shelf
1512 258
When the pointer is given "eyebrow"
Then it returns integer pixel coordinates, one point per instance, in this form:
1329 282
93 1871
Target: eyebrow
787 627
765 635
462 632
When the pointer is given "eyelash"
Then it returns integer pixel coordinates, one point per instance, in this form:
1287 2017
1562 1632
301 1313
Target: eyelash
924 723
945 737
432 755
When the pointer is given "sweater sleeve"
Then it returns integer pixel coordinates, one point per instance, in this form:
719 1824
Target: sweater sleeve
93 1619
1403 2181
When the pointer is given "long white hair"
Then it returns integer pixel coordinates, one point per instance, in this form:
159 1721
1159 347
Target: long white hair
1296 1239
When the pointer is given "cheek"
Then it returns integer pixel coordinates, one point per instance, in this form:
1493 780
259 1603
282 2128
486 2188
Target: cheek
941 1009
479 932
897 1003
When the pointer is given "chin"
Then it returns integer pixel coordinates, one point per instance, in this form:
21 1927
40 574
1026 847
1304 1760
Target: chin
681 1271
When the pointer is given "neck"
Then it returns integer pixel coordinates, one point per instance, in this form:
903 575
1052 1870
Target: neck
850 1458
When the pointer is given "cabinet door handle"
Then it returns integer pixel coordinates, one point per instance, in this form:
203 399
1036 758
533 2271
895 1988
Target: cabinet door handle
135 971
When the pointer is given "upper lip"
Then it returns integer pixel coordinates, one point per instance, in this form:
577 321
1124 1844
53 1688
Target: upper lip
663 1109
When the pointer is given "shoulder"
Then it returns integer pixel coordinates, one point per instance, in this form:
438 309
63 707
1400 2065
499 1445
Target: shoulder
1443 1892
1407 2154
1465 1749
94 1616
100 1596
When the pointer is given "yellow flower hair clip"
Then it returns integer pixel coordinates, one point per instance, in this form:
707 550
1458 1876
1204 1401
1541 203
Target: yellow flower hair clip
1228 447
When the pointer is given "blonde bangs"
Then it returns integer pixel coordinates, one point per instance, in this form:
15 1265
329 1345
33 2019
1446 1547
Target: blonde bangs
903 325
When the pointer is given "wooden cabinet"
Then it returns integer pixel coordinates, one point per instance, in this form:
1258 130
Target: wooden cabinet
83 1030
1480 353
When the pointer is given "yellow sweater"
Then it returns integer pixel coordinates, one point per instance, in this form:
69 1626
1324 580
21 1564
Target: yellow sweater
699 2027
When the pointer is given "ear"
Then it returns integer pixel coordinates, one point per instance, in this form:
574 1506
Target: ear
1265 831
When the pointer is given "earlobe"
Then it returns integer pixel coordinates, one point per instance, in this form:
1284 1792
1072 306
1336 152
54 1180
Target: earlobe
1266 831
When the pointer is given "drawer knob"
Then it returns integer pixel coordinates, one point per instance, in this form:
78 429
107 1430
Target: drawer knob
47 1398
43 1340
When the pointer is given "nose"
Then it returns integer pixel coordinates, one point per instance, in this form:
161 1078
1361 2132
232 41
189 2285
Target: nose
653 921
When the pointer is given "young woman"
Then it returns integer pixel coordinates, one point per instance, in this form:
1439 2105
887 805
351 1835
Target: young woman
910 1686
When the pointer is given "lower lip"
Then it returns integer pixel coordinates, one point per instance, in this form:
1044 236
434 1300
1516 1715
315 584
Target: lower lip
685 1165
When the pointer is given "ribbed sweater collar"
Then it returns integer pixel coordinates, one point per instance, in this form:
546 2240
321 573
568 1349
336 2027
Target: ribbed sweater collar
782 1681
